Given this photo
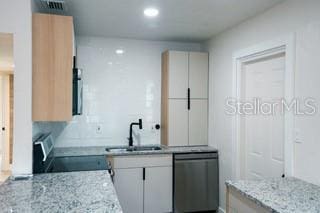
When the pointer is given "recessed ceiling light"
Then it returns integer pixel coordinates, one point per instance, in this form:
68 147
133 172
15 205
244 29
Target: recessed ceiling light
151 12
119 51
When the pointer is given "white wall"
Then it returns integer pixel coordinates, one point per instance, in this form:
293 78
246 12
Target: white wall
301 17
118 90
15 17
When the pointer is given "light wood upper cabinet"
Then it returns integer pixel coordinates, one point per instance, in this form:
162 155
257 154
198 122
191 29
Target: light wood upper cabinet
52 62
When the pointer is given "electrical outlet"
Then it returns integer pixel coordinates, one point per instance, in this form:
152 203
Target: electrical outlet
297 136
155 127
99 129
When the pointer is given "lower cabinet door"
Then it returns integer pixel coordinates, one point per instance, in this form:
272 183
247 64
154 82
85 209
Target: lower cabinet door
198 122
178 122
158 190
129 187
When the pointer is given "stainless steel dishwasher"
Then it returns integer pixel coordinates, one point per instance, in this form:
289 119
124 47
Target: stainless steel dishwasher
196 182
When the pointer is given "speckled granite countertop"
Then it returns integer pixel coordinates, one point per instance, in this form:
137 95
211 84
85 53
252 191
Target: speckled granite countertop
60 192
281 195
83 151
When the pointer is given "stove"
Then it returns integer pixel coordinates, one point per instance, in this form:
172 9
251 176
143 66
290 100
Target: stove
44 160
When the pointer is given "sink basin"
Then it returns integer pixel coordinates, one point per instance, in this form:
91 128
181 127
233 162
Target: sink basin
133 149
116 149
144 148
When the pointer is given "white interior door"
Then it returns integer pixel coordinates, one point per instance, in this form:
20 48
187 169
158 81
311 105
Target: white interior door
178 74
2 141
263 135
129 187
158 190
198 74
178 122
198 122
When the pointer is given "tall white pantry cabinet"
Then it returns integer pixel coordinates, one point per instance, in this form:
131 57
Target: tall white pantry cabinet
184 99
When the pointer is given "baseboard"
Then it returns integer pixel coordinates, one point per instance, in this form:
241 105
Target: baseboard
221 210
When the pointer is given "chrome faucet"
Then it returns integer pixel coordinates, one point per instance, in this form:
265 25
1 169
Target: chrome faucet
130 134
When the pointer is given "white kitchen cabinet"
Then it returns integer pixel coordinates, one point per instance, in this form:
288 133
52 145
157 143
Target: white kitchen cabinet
129 186
158 190
178 75
184 98
198 122
143 182
178 122
198 75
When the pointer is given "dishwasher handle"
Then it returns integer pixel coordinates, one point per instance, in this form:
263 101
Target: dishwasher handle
197 156
186 161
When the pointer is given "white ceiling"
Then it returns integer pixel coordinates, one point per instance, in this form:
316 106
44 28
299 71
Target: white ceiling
186 20
6 52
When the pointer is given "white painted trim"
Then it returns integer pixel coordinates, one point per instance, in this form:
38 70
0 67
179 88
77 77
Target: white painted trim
285 45
5 116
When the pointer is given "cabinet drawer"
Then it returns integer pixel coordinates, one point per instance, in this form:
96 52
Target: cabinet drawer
138 161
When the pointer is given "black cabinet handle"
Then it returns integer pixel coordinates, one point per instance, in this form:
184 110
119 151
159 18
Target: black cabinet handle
144 173
188 98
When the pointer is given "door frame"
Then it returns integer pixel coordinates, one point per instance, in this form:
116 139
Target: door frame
285 44
5 120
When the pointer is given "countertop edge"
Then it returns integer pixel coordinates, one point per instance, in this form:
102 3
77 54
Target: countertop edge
54 184
250 197
100 150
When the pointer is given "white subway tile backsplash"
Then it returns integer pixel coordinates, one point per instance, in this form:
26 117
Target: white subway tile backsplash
118 89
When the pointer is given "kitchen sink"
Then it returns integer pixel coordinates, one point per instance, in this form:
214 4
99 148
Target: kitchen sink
133 149
144 148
